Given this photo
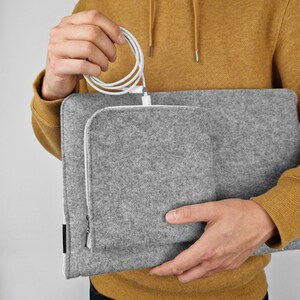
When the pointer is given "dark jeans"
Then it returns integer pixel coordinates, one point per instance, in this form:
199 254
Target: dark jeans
95 295
266 297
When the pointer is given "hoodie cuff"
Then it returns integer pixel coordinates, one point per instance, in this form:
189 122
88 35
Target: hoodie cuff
282 203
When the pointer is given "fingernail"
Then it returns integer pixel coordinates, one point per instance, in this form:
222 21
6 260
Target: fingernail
171 215
121 38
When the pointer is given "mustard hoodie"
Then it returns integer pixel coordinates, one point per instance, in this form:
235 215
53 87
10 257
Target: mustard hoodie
238 44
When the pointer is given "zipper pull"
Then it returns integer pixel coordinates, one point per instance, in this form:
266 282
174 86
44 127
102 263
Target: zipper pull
87 230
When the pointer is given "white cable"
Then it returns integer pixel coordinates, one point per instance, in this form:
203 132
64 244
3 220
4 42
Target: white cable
119 87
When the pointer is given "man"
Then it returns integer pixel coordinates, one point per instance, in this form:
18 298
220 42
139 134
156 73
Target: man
192 45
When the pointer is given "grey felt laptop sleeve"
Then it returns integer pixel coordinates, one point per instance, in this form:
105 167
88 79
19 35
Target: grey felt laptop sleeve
126 165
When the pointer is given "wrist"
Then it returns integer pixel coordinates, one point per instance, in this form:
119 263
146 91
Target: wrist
47 93
56 87
267 224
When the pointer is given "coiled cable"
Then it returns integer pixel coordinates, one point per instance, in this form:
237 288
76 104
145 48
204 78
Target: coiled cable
119 87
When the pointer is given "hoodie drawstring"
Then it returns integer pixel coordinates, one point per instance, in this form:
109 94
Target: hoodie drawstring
195 8
152 23
151 26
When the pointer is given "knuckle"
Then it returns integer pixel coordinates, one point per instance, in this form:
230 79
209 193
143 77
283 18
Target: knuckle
65 19
182 280
82 67
219 252
207 255
186 212
176 268
54 31
93 32
92 15
88 49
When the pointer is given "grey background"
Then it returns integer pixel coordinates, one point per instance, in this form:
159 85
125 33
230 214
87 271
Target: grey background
31 203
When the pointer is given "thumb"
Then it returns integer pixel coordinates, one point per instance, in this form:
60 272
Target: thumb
203 212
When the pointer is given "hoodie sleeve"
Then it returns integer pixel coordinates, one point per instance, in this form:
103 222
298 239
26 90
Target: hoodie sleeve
45 118
282 202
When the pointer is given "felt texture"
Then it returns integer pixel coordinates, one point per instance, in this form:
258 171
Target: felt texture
253 134
141 163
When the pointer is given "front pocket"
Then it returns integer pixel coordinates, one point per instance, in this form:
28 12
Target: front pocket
140 163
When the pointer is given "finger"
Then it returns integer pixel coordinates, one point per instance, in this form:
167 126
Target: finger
208 268
197 272
184 261
96 18
76 67
93 34
193 213
81 49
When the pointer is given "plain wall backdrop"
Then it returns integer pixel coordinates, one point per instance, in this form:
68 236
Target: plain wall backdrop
31 194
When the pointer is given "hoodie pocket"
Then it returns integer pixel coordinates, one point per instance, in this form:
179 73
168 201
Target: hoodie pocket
141 162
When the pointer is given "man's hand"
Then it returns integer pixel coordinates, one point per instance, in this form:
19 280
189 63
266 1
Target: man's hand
83 43
235 229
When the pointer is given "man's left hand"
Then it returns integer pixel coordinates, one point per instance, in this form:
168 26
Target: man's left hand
235 229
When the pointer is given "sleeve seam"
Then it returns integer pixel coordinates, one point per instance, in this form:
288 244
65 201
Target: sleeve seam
280 27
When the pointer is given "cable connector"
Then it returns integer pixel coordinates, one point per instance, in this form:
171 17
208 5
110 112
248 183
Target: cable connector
146 99
136 90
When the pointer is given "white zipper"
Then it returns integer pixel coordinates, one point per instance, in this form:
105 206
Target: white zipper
87 238
88 228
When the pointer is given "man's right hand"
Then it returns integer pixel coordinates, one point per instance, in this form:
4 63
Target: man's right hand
82 43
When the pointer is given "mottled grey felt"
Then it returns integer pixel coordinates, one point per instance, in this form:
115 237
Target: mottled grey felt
141 163
244 140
